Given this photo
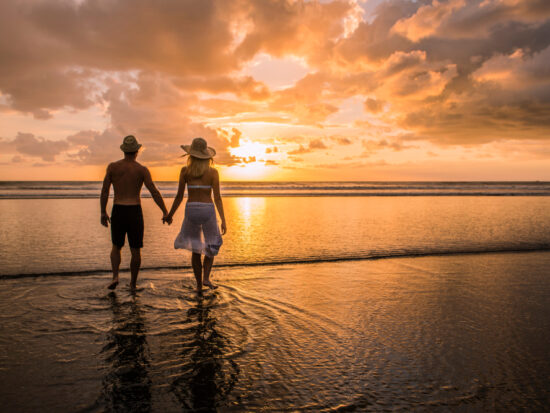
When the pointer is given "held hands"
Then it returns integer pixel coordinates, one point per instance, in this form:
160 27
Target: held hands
167 218
105 219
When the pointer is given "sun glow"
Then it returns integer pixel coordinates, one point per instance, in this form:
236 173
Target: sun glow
253 171
253 157
248 149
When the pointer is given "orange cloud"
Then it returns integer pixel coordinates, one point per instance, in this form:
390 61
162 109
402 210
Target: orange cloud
457 72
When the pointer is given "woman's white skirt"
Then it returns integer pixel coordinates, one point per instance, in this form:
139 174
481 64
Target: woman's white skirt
199 230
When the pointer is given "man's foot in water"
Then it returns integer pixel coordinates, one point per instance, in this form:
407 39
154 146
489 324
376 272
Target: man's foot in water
113 284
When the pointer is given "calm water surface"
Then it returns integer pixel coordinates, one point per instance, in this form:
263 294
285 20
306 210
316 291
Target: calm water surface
64 235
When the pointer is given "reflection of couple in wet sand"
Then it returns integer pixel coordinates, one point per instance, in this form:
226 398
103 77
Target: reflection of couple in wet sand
199 231
201 376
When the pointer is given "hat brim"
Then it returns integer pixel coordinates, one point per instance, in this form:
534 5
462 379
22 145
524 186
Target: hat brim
206 154
130 148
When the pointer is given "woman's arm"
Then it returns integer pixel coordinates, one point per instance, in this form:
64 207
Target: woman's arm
179 196
218 199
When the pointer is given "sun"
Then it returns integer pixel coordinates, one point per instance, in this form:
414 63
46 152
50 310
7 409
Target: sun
253 166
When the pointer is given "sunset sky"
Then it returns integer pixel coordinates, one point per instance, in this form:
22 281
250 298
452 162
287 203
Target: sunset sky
284 90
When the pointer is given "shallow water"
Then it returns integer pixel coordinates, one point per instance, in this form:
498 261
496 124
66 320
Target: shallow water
64 235
460 333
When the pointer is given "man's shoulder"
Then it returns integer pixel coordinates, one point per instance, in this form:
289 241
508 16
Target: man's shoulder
141 167
115 164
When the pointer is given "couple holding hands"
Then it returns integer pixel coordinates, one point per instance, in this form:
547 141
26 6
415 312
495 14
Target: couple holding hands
199 231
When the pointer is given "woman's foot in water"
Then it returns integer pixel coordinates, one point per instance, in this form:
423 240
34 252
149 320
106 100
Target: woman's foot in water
209 284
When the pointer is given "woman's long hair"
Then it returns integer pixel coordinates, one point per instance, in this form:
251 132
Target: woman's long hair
196 167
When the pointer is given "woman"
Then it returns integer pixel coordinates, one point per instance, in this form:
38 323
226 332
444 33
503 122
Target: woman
199 231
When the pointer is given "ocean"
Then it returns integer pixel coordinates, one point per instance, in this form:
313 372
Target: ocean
53 227
333 296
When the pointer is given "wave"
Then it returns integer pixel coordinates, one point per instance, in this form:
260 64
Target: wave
297 194
91 190
308 260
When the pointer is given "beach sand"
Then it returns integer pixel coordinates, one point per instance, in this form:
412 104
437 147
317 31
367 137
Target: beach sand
463 332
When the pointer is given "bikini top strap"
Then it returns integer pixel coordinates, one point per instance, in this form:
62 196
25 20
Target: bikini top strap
198 186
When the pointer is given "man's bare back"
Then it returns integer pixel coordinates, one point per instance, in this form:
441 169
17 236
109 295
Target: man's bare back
127 177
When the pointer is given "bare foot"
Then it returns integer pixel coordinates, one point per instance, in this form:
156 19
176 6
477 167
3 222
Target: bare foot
210 285
113 284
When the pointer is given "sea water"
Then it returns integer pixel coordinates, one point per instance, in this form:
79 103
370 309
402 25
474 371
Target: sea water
53 228
433 298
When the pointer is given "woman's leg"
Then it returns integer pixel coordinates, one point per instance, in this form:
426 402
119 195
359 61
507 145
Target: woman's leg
207 267
213 241
197 269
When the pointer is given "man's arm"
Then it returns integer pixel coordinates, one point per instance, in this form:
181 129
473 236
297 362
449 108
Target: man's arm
148 181
105 197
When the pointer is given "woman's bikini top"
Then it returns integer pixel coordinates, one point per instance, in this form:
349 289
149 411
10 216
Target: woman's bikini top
198 186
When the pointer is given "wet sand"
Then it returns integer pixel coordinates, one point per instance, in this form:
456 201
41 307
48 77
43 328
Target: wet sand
459 333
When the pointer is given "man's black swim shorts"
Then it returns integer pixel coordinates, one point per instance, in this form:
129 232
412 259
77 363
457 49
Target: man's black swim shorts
127 219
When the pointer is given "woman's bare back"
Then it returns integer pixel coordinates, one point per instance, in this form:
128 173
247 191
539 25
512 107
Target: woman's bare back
204 191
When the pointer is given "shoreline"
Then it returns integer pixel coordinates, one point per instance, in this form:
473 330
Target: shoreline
405 255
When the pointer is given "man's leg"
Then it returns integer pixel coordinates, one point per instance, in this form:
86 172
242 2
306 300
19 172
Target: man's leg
135 263
197 269
115 265
135 239
207 267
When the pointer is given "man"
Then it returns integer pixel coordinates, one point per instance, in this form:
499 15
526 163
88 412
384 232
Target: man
127 177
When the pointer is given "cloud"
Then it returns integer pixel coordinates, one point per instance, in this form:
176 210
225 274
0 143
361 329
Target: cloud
314 144
317 144
301 149
456 72
17 159
373 146
341 140
469 19
373 105
28 144
427 19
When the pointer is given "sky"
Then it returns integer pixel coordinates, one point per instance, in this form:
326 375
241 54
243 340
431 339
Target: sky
282 89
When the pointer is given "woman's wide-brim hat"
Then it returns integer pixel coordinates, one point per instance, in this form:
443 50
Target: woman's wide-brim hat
199 149
130 144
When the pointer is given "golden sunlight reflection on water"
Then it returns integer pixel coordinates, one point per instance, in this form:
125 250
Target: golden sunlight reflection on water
64 235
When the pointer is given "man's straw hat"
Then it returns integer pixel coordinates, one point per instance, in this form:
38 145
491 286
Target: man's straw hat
130 144
199 149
